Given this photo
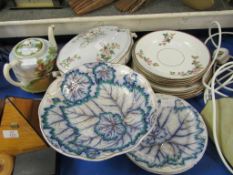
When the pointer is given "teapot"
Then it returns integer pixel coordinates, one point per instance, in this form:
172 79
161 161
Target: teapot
32 61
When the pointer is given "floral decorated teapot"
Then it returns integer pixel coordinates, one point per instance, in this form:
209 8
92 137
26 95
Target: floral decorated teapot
32 61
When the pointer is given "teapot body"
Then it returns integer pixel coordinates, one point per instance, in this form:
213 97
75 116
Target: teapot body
32 61
35 57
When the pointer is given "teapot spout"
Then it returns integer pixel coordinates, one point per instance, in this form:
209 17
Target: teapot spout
51 37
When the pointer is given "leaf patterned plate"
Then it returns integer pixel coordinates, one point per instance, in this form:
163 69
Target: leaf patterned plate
97 111
171 55
104 43
178 140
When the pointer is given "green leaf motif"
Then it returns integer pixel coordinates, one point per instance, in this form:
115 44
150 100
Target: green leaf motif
167 38
148 61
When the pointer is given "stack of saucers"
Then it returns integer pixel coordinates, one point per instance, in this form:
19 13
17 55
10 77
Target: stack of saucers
174 62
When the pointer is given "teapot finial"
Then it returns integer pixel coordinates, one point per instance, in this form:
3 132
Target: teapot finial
51 37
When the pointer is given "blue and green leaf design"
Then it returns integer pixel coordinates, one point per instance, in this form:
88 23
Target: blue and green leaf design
100 114
178 139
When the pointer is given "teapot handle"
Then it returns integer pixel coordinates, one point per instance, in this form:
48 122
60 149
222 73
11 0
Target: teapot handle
6 73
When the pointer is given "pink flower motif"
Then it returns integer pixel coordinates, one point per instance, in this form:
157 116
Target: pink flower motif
149 62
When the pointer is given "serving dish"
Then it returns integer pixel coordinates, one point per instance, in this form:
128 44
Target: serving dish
178 140
97 111
103 43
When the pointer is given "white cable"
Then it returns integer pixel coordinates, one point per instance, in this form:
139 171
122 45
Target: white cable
215 119
215 59
216 34
226 82
222 82
219 34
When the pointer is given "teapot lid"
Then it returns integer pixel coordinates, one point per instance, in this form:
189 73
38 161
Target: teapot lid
29 48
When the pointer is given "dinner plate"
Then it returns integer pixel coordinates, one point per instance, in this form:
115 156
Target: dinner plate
103 43
171 54
97 111
178 140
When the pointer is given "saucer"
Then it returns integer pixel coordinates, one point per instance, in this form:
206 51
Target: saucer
97 111
171 55
177 142
182 88
164 81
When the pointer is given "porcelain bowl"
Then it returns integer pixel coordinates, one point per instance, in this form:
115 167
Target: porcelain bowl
178 140
97 111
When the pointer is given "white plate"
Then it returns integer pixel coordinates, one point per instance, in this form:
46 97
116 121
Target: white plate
180 89
172 54
97 111
104 43
178 140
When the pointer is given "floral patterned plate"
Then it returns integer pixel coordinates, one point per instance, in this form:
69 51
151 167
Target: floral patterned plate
181 89
97 111
178 140
104 43
171 54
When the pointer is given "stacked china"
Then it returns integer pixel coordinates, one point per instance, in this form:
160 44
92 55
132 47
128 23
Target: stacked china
97 110
174 62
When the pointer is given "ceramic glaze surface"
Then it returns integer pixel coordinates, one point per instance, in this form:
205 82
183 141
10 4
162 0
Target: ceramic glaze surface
178 140
32 61
36 57
186 88
28 47
104 43
97 111
172 54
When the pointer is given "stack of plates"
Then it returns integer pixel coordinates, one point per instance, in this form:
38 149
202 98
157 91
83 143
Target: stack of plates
174 62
